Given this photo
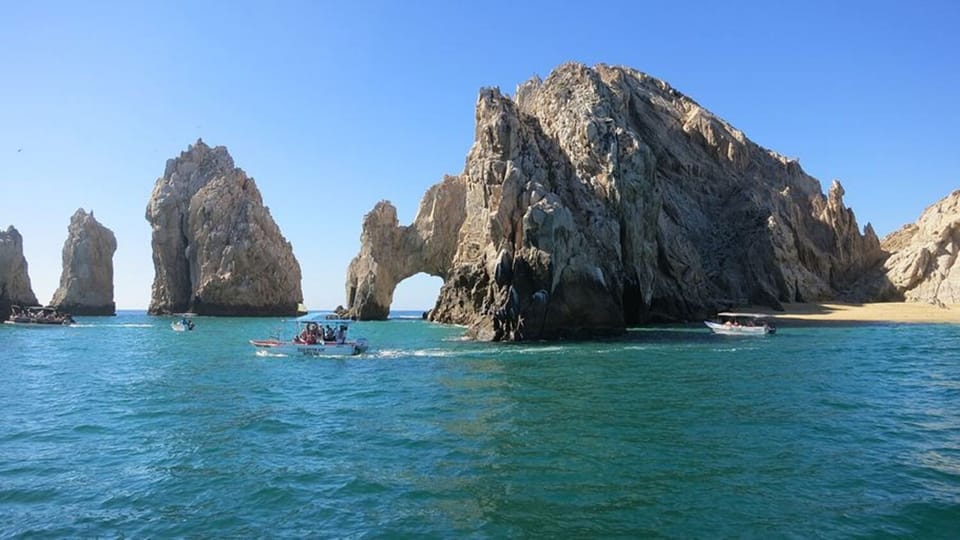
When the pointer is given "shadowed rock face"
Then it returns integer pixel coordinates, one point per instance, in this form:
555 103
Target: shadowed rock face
216 248
923 265
602 198
86 282
14 280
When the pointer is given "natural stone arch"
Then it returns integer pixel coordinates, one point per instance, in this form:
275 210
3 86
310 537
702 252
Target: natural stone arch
391 253
418 293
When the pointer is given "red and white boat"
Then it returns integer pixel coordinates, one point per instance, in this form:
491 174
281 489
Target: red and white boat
316 335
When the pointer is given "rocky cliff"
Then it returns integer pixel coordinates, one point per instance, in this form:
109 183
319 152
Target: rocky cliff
602 198
14 280
86 282
923 265
216 248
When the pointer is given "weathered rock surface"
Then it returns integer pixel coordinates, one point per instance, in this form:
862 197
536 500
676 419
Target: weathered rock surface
86 282
923 265
216 248
14 279
602 198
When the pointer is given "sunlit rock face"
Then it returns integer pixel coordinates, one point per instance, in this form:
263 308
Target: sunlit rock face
216 248
923 263
14 279
602 198
86 282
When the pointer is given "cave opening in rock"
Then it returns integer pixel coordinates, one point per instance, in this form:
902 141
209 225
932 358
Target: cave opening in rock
417 293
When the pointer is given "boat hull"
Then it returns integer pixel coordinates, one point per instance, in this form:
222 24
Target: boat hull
730 330
38 324
287 348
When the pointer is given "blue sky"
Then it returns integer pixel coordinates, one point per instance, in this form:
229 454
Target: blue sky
366 100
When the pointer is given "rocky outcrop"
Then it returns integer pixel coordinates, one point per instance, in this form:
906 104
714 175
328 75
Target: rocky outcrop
86 282
216 248
923 264
14 280
602 198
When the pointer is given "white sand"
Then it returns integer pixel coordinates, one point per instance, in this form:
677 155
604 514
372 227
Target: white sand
903 312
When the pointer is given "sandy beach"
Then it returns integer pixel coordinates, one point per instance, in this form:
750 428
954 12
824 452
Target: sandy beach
838 314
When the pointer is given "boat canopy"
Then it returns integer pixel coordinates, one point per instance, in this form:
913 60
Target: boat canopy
745 315
322 318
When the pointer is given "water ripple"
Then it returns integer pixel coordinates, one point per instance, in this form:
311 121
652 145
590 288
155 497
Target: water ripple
124 428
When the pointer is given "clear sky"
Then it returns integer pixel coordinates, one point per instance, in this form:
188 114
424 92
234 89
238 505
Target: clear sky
367 100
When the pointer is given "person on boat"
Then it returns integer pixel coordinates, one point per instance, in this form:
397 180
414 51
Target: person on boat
328 334
308 335
341 334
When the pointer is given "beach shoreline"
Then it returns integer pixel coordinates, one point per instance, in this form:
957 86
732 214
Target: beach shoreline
836 314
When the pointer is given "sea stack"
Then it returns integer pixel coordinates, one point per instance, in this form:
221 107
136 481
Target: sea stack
602 198
923 265
14 280
216 248
86 282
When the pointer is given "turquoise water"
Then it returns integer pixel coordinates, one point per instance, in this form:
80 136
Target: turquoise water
121 427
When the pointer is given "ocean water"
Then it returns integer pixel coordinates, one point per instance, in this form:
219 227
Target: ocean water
121 427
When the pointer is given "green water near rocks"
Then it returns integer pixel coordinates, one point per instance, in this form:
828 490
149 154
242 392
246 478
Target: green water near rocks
121 427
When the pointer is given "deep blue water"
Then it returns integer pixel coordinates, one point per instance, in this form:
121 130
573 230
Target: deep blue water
121 427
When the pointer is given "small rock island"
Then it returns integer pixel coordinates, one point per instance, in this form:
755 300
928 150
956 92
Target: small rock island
86 281
216 248
15 289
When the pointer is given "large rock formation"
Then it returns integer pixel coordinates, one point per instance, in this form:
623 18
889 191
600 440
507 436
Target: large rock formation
923 265
602 198
86 282
14 280
216 249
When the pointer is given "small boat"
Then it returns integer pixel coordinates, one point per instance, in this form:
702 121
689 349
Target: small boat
742 324
317 335
38 316
183 325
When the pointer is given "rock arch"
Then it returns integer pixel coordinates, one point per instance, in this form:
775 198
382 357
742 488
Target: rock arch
390 252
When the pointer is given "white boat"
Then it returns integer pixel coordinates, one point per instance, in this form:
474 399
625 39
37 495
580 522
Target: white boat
742 324
316 335
183 325
38 317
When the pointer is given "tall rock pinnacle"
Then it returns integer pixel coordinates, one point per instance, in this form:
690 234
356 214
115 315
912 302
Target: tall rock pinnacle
216 248
14 279
86 282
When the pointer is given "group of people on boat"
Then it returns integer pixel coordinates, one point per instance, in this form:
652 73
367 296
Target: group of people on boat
312 333
38 315
748 323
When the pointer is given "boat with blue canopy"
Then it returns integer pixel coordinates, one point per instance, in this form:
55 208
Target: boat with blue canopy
317 334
